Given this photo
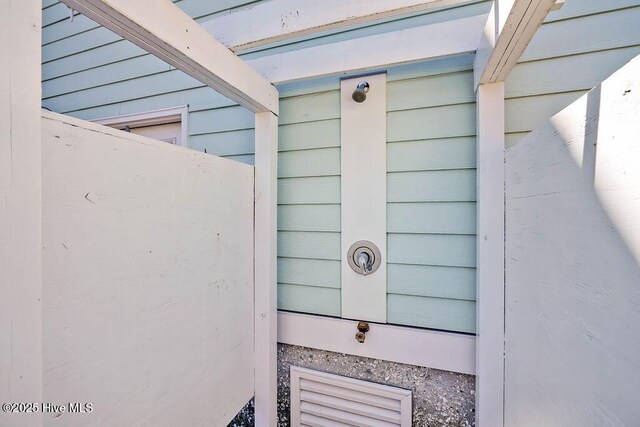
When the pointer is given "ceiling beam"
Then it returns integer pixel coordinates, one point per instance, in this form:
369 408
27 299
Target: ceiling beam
373 52
277 20
162 29
510 28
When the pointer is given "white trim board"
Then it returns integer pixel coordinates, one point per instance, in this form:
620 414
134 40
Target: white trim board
265 268
278 20
371 52
151 118
510 28
363 185
490 279
421 347
161 28
21 212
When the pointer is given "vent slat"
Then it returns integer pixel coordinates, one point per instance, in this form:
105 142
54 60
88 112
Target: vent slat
342 416
355 395
315 421
351 406
319 399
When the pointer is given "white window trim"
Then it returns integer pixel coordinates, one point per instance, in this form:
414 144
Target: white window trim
161 116
448 351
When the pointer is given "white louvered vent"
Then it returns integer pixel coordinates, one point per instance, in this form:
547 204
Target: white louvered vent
319 399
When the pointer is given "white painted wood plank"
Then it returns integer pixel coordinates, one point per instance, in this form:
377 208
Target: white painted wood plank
433 349
507 34
573 239
20 215
265 258
140 275
278 20
366 53
490 256
363 162
161 28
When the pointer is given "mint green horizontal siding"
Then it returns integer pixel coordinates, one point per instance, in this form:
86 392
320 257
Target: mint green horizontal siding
320 162
433 122
309 217
455 185
309 299
309 272
432 154
431 194
432 218
309 191
576 48
89 72
452 250
309 203
310 245
432 281
436 313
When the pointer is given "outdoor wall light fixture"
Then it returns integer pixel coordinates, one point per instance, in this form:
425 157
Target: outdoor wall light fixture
360 94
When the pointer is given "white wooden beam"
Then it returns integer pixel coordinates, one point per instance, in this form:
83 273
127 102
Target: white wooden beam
508 31
265 264
161 28
490 256
20 211
277 20
421 347
366 53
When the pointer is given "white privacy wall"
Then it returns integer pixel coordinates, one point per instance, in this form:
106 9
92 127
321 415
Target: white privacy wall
573 263
147 279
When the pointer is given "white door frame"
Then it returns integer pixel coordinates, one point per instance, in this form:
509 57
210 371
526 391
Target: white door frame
161 116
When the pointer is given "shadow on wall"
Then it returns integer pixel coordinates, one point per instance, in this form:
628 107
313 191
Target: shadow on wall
573 263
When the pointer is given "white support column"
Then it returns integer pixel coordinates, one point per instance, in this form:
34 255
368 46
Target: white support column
266 315
20 209
490 257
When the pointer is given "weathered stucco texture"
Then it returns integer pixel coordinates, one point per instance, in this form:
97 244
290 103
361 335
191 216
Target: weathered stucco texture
440 398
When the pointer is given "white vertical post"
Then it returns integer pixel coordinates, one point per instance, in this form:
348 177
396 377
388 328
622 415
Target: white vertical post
20 209
266 307
490 257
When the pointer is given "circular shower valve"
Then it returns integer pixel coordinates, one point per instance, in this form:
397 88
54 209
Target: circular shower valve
364 257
